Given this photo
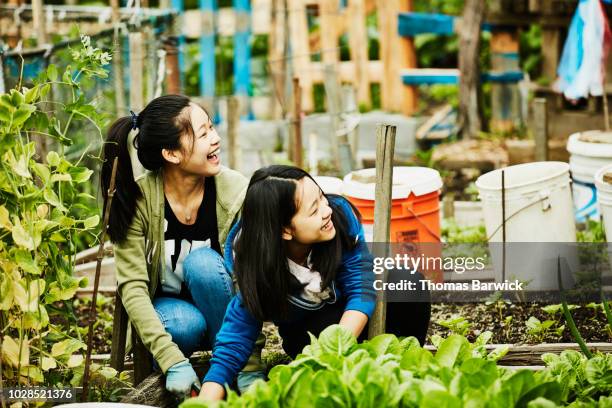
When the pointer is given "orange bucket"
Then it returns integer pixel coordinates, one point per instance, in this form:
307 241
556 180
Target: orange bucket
415 207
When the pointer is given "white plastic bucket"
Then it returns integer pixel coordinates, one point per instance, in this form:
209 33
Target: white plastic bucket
589 152
329 185
604 199
538 208
468 213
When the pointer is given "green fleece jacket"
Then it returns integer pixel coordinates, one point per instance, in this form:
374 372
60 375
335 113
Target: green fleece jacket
139 258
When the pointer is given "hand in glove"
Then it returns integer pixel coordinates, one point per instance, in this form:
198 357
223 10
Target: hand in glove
179 379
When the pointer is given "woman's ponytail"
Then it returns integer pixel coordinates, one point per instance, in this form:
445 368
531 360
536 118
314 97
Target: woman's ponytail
127 191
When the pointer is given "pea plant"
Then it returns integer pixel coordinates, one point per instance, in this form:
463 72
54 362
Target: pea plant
42 211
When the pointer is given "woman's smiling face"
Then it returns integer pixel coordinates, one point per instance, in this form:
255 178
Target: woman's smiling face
312 221
200 153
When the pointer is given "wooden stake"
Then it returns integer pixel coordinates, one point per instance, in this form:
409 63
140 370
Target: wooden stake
136 72
385 148
120 322
233 119
297 123
93 310
503 203
605 108
540 121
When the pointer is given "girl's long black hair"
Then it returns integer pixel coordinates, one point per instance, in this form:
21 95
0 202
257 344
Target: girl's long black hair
261 266
160 126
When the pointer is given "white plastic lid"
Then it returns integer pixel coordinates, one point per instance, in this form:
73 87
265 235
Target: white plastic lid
575 145
406 180
329 185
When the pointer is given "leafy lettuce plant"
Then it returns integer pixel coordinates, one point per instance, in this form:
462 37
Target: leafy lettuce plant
336 371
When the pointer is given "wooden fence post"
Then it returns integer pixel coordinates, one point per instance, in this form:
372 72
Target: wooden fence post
540 124
297 123
385 148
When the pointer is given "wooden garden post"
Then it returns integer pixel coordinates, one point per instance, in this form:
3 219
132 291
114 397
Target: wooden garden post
297 124
385 147
469 81
540 122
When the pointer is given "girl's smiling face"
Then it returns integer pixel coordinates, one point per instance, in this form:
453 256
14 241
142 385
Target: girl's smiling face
200 152
312 221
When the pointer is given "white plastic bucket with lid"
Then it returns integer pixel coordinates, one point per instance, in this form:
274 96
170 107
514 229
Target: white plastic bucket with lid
538 208
604 199
589 152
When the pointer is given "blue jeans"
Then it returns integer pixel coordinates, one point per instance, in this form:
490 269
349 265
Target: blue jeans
194 326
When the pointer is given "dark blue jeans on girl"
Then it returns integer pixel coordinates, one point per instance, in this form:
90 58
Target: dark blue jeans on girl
194 323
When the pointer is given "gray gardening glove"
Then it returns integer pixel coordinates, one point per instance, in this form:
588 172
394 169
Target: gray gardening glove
180 378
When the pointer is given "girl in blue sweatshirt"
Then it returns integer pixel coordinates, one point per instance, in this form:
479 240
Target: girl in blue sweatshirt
301 261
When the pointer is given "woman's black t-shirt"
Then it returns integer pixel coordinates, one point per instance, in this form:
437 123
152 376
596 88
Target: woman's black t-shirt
181 239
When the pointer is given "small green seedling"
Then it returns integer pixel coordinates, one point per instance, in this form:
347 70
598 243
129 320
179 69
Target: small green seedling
457 324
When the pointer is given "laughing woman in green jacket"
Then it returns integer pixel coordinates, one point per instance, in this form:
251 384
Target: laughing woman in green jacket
168 225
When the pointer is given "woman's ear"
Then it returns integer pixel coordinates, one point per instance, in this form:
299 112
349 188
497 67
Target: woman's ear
287 234
172 156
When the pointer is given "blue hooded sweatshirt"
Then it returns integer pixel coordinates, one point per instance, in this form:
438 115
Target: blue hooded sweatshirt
236 339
